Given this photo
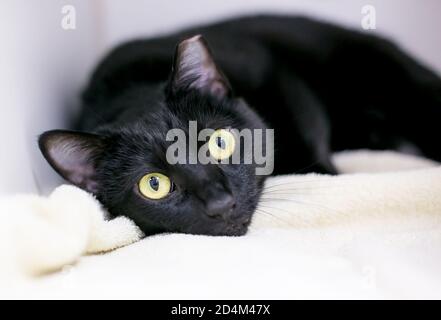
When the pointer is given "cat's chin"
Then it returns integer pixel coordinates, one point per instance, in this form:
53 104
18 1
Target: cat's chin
230 229
233 232
240 230
227 232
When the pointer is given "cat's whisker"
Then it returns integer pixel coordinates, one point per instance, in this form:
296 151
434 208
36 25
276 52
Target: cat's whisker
297 182
303 189
306 191
269 195
281 209
260 210
323 207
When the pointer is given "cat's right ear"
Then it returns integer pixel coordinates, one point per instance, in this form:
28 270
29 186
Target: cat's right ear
73 155
194 67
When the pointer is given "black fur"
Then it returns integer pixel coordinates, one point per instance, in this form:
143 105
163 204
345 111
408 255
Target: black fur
321 87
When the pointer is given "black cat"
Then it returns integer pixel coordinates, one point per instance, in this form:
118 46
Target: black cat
321 87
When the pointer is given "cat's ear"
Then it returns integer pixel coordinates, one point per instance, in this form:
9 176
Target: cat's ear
194 68
73 155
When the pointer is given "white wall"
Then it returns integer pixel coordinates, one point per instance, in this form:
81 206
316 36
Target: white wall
43 67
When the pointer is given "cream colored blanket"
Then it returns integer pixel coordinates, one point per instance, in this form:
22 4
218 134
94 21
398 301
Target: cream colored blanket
374 232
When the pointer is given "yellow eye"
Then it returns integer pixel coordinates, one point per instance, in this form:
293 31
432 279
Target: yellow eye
154 186
221 144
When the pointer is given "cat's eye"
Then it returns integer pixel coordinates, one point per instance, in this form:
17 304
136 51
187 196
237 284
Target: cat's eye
155 186
221 144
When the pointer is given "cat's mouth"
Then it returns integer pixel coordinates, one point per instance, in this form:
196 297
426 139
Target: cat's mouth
234 228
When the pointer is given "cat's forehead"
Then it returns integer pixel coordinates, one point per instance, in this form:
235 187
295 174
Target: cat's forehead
150 133
146 143
207 113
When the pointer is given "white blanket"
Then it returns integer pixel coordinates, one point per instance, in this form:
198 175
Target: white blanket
358 235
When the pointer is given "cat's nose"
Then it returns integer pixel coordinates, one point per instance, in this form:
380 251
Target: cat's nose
221 206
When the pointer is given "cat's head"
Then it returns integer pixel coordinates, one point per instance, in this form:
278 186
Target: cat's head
128 169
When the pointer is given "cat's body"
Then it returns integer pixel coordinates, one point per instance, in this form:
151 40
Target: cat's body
322 88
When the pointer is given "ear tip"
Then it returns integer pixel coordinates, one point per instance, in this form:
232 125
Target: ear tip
46 137
51 138
43 139
195 38
194 41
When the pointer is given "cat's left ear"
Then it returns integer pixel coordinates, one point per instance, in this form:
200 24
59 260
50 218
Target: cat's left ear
194 68
73 155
